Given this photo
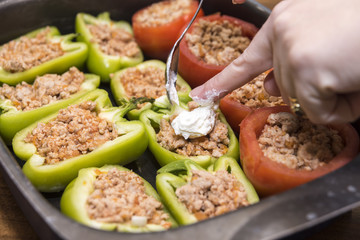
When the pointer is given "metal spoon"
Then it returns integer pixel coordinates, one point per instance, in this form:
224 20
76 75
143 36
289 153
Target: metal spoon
172 64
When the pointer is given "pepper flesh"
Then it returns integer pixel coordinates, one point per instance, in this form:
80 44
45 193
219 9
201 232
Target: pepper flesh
73 202
97 61
13 120
177 174
128 146
152 120
75 55
117 88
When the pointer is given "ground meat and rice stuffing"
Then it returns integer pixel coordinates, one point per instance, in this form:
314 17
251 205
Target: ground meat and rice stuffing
163 12
120 195
114 41
26 53
45 90
298 143
214 144
76 130
253 94
146 82
216 42
208 195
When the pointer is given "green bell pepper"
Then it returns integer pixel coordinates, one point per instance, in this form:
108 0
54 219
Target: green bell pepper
75 55
99 62
128 146
176 174
13 120
151 120
119 92
74 199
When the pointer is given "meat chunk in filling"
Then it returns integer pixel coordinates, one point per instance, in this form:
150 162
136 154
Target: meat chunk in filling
297 143
120 195
45 90
214 144
253 94
208 195
216 42
75 131
114 41
26 53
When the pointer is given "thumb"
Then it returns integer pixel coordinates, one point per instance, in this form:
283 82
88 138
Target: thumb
256 59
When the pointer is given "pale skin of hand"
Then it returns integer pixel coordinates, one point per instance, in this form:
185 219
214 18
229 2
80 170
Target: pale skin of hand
314 48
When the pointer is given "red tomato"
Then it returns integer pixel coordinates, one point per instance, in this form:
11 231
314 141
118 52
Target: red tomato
234 111
270 177
157 41
194 70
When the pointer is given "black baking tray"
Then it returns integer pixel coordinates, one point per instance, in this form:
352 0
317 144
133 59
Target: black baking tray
287 215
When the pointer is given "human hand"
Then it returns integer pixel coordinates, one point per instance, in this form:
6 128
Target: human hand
311 44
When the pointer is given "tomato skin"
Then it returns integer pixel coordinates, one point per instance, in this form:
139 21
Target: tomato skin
195 71
234 112
269 177
157 41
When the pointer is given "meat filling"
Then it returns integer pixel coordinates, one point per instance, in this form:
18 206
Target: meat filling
163 12
114 41
216 42
214 144
146 82
26 53
45 90
120 195
76 130
297 143
208 195
253 94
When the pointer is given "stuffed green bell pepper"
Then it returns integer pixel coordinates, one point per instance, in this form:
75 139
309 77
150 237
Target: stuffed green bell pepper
88 133
167 147
146 79
107 198
25 104
192 193
37 53
111 44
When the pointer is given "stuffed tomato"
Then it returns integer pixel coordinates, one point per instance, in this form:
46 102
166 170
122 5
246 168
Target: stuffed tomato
239 103
279 151
210 44
156 27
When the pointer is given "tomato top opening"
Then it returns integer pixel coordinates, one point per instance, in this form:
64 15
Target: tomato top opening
157 39
195 70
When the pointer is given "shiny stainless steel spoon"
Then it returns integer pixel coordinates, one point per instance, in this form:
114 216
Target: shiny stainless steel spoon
172 64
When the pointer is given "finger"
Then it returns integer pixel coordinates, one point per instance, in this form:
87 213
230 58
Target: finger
256 59
337 108
270 85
